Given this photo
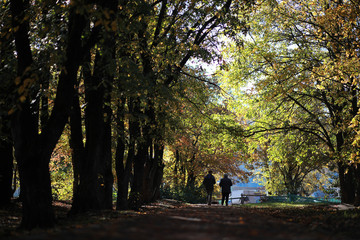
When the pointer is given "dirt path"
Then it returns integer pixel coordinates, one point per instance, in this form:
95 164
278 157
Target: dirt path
170 220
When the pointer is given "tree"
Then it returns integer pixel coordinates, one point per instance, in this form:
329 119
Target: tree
167 35
6 73
93 57
298 56
34 144
203 139
95 186
291 157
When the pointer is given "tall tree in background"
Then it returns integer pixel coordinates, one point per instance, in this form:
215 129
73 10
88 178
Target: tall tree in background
303 53
292 156
167 36
204 138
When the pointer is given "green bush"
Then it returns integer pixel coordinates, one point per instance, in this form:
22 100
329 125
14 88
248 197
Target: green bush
185 193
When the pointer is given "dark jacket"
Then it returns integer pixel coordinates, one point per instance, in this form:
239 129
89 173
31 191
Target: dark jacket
209 181
225 184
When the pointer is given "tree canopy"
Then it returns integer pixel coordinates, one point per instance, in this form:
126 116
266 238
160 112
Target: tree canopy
293 76
110 99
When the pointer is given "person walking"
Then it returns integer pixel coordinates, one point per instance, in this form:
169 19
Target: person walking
225 184
209 181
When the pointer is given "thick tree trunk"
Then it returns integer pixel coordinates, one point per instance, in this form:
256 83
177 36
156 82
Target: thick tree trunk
154 165
33 171
347 188
96 179
121 201
33 151
76 144
123 171
346 175
136 196
108 174
30 155
157 172
92 182
6 168
176 168
140 154
350 185
357 184
153 171
6 144
191 177
148 180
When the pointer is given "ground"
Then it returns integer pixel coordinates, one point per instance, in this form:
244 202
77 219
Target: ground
169 219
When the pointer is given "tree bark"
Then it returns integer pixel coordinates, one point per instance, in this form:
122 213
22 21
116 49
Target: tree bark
123 171
136 195
357 185
156 173
108 174
140 154
347 189
32 162
346 175
6 166
96 178
76 144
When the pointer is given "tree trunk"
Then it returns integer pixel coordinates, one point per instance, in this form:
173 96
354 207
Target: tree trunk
176 168
76 144
140 154
32 162
357 184
346 174
33 151
347 188
123 171
190 182
6 144
150 165
92 180
350 185
107 154
33 171
121 201
96 179
136 196
6 167
158 172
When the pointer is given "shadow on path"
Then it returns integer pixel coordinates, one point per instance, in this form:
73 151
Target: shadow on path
176 221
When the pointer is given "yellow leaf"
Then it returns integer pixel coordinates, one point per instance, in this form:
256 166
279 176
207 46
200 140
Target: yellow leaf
22 98
27 82
114 26
27 69
97 23
11 111
21 89
107 15
17 80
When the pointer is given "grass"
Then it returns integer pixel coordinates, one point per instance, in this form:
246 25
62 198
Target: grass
281 205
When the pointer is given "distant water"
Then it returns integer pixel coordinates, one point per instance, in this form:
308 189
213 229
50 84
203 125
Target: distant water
250 184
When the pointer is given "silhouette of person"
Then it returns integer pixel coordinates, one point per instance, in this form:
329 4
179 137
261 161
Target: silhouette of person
209 181
225 184
242 198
